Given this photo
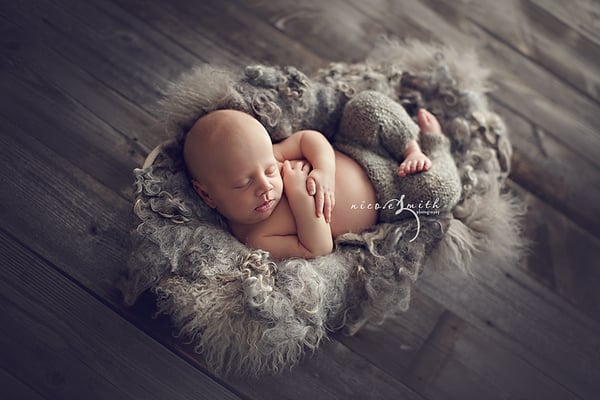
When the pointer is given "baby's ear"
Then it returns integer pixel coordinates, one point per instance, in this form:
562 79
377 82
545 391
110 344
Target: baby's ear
203 193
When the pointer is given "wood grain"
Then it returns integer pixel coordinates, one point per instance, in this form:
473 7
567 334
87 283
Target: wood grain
80 81
66 344
442 356
538 35
582 16
62 213
553 337
12 388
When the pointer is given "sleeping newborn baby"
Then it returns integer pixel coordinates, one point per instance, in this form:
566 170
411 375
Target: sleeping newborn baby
281 197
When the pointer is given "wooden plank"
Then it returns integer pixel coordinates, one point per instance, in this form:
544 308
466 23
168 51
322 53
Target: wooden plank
123 38
440 355
252 38
525 317
435 357
503 369
395 345
69 345
220 37
61 95
334 372
136 134
68 217
438 375
522 84
571 56
331 29
511 374
580 15
137 66
171 23
544 334
496 371
539 36
27 56
41 110
572 122
12 388
561 255
541 164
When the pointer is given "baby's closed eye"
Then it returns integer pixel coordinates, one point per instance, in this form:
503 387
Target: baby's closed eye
271 171
243 184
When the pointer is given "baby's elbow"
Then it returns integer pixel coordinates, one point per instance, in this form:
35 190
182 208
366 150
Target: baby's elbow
321 250
328 248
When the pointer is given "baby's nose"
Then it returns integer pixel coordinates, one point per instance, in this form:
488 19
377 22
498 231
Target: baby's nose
264 186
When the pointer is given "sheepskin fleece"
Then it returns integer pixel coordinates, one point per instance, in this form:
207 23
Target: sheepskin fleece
250 315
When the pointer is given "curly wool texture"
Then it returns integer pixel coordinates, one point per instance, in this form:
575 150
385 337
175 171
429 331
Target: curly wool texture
250 315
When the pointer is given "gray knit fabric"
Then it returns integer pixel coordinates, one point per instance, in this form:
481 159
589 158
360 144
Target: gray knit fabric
375 131
248 314
375 123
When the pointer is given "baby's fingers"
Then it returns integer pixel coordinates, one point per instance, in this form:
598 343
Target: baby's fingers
311 186
328 207
319 202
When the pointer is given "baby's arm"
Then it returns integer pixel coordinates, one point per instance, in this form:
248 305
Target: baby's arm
315 148
313 235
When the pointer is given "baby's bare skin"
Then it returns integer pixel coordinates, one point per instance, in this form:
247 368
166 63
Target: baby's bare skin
414 159
270 207
352 186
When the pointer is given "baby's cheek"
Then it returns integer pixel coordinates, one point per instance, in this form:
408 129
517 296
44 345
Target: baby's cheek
278 185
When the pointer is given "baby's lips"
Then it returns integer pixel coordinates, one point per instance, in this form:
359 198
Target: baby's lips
265 206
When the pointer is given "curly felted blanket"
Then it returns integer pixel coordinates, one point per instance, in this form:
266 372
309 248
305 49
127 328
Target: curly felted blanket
248 314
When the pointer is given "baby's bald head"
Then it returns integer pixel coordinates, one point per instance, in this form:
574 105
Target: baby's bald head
217 138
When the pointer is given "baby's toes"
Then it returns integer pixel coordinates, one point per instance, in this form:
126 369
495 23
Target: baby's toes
428 164
424 164
402 169
418 165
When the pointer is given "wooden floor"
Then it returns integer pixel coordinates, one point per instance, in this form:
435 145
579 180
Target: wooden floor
78 86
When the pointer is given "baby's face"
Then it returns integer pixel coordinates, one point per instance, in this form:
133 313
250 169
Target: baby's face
248 183
244 182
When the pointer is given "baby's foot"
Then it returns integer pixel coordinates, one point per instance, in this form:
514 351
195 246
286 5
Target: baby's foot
428 123
414 159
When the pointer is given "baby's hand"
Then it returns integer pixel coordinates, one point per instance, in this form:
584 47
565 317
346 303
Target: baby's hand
321 185
294 174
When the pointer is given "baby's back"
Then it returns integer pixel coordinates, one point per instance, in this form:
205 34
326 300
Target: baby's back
355 198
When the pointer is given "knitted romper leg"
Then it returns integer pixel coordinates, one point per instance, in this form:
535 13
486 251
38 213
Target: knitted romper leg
375 131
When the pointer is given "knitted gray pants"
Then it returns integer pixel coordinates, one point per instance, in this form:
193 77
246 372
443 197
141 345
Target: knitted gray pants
375 131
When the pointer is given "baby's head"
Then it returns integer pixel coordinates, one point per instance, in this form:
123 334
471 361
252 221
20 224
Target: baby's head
229 156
